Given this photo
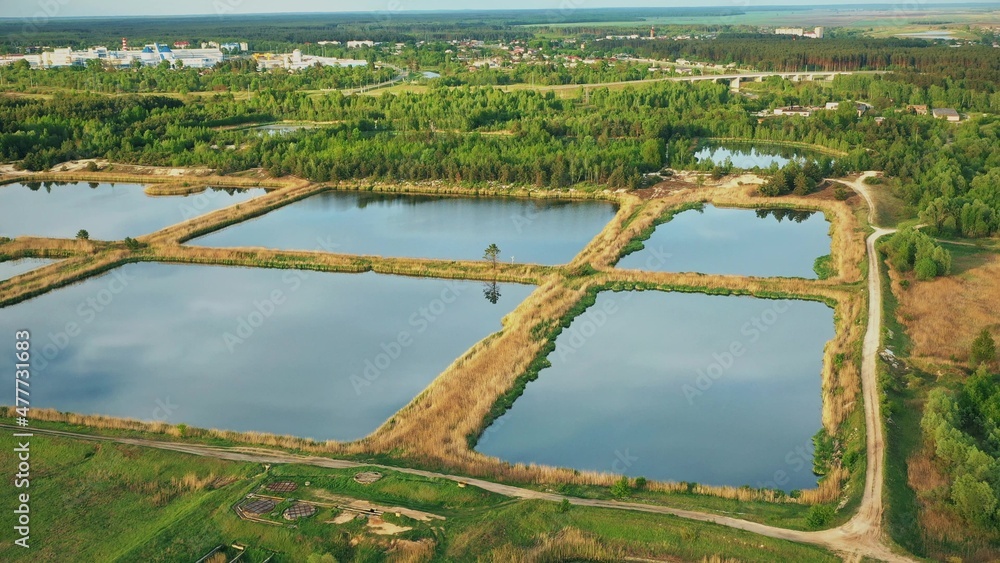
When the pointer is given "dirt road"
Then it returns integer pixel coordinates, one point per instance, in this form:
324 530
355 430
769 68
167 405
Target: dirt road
835 540
860 537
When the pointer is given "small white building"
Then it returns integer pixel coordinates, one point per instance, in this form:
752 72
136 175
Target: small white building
297 61
794 110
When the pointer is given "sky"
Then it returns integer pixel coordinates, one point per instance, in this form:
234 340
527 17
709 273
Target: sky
76 8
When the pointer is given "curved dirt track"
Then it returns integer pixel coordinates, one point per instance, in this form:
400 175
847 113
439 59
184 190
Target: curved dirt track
862 536
837 539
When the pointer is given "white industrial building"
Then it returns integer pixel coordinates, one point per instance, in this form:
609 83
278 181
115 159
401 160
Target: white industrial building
816 33
152 54
155 54
297 61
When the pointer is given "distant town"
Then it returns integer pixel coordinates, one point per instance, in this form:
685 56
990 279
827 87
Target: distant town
180 55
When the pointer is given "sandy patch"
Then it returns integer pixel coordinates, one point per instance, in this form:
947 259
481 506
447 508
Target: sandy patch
381 527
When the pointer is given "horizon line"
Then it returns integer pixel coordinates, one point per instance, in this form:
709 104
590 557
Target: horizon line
852 4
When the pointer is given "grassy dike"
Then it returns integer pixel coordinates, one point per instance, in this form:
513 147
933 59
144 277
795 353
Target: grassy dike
762 505
437 429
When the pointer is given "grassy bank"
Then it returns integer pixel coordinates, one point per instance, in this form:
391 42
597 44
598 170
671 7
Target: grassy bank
438 428
545 335
100 502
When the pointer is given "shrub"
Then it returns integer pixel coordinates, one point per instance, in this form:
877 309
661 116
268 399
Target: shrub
621 488
984 349
926 269
819 515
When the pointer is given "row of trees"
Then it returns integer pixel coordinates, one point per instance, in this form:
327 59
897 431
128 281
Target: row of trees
231 76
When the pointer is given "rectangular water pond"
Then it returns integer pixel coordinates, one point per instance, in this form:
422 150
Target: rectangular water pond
105 211
310 354
677 387
11 268
421 226
746 242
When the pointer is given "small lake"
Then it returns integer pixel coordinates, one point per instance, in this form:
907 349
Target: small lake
746 242
281 128
105 211
930 34
419 226
648 384
11 268
748 157
327 356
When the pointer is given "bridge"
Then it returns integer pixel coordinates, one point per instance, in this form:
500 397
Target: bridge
735 80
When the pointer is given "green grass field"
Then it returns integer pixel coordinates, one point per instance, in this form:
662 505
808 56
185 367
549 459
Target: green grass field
113 502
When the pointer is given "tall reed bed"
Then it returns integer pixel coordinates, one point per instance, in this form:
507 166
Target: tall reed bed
60 274
440 425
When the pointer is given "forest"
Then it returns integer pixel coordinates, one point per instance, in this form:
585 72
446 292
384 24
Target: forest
961 427
237 75
602 137
913 61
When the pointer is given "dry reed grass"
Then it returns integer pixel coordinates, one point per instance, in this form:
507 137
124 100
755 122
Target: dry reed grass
569 544
291 192
438 187
634 216
434 427
60 274
180 189
142 175
944 315
39 247
322 261
406 551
